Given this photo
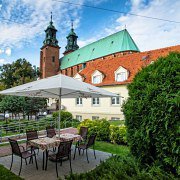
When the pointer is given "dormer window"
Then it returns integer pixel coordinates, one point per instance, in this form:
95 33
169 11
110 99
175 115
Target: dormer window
97 77
78 77
121 74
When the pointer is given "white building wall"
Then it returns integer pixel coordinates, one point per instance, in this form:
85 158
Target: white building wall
103 110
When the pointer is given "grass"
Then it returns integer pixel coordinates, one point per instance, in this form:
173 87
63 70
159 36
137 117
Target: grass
111 148
5 174
116 122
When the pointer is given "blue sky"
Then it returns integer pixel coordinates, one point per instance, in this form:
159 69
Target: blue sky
22 24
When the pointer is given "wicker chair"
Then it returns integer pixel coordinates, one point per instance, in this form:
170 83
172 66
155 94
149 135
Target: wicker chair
90 142
51 132
83 132
22 154
64 151
32 134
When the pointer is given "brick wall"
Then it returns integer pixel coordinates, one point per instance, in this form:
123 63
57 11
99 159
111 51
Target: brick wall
49 61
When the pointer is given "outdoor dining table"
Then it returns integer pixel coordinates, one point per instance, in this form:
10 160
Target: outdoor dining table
46 143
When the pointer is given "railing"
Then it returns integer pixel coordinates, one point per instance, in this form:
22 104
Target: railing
19 128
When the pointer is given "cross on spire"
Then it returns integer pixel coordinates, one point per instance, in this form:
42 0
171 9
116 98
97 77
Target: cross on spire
51 16
71 23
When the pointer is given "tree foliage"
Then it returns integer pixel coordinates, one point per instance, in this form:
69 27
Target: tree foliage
17 73
152 113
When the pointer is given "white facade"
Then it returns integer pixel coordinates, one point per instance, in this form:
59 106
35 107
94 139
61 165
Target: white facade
103 109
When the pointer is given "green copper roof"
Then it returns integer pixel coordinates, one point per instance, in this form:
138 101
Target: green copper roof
118 42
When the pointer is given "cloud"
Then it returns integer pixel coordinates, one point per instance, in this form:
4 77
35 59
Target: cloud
8 51
3 61
147 33
28 18
150 33
1 51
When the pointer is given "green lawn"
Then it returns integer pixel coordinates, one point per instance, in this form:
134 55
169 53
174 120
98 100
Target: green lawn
116 122
112 148
5 174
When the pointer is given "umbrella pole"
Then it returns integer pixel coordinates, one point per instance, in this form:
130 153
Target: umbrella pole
59 120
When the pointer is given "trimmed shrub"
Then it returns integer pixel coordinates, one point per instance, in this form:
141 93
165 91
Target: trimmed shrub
65 115
152 113
119 167
100 127
118 134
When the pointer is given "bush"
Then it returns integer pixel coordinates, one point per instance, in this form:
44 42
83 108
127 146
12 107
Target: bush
101 127
118 167
118 134
65 115
152 113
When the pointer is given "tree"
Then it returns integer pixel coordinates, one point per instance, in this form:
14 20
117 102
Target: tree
17 73
7 78
152 113
12 104
33 105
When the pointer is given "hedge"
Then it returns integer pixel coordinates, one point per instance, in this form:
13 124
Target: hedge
105 131
118 134
119 167
152 113
100 127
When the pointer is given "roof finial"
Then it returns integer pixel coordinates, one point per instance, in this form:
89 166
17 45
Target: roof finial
51 16
71 23
125 26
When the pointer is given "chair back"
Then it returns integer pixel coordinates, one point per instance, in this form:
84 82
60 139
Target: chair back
51 132
64 149
83 132
15 147
91 140
32 134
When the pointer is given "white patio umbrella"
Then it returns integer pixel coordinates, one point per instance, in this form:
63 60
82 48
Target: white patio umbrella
59 86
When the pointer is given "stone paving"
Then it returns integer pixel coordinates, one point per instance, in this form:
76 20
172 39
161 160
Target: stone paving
29 172
79 165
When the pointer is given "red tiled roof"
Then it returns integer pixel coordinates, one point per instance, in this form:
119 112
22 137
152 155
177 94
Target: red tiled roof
132 62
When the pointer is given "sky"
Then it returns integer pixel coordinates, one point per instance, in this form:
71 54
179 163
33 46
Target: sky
22 24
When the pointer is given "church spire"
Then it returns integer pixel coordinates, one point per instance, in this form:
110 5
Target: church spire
71 41
50 38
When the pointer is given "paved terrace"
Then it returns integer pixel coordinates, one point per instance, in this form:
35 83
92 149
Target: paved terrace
29 172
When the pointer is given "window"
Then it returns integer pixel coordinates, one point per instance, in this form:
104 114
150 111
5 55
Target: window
77 68
71 71
121 76
95 101
78 117
83 65
95 117
53 58
78 101
115 118
115 100
97 79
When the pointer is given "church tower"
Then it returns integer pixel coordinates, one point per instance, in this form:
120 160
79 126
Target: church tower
49 55
71 41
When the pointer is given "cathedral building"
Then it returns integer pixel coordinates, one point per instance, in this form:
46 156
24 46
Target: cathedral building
109 63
